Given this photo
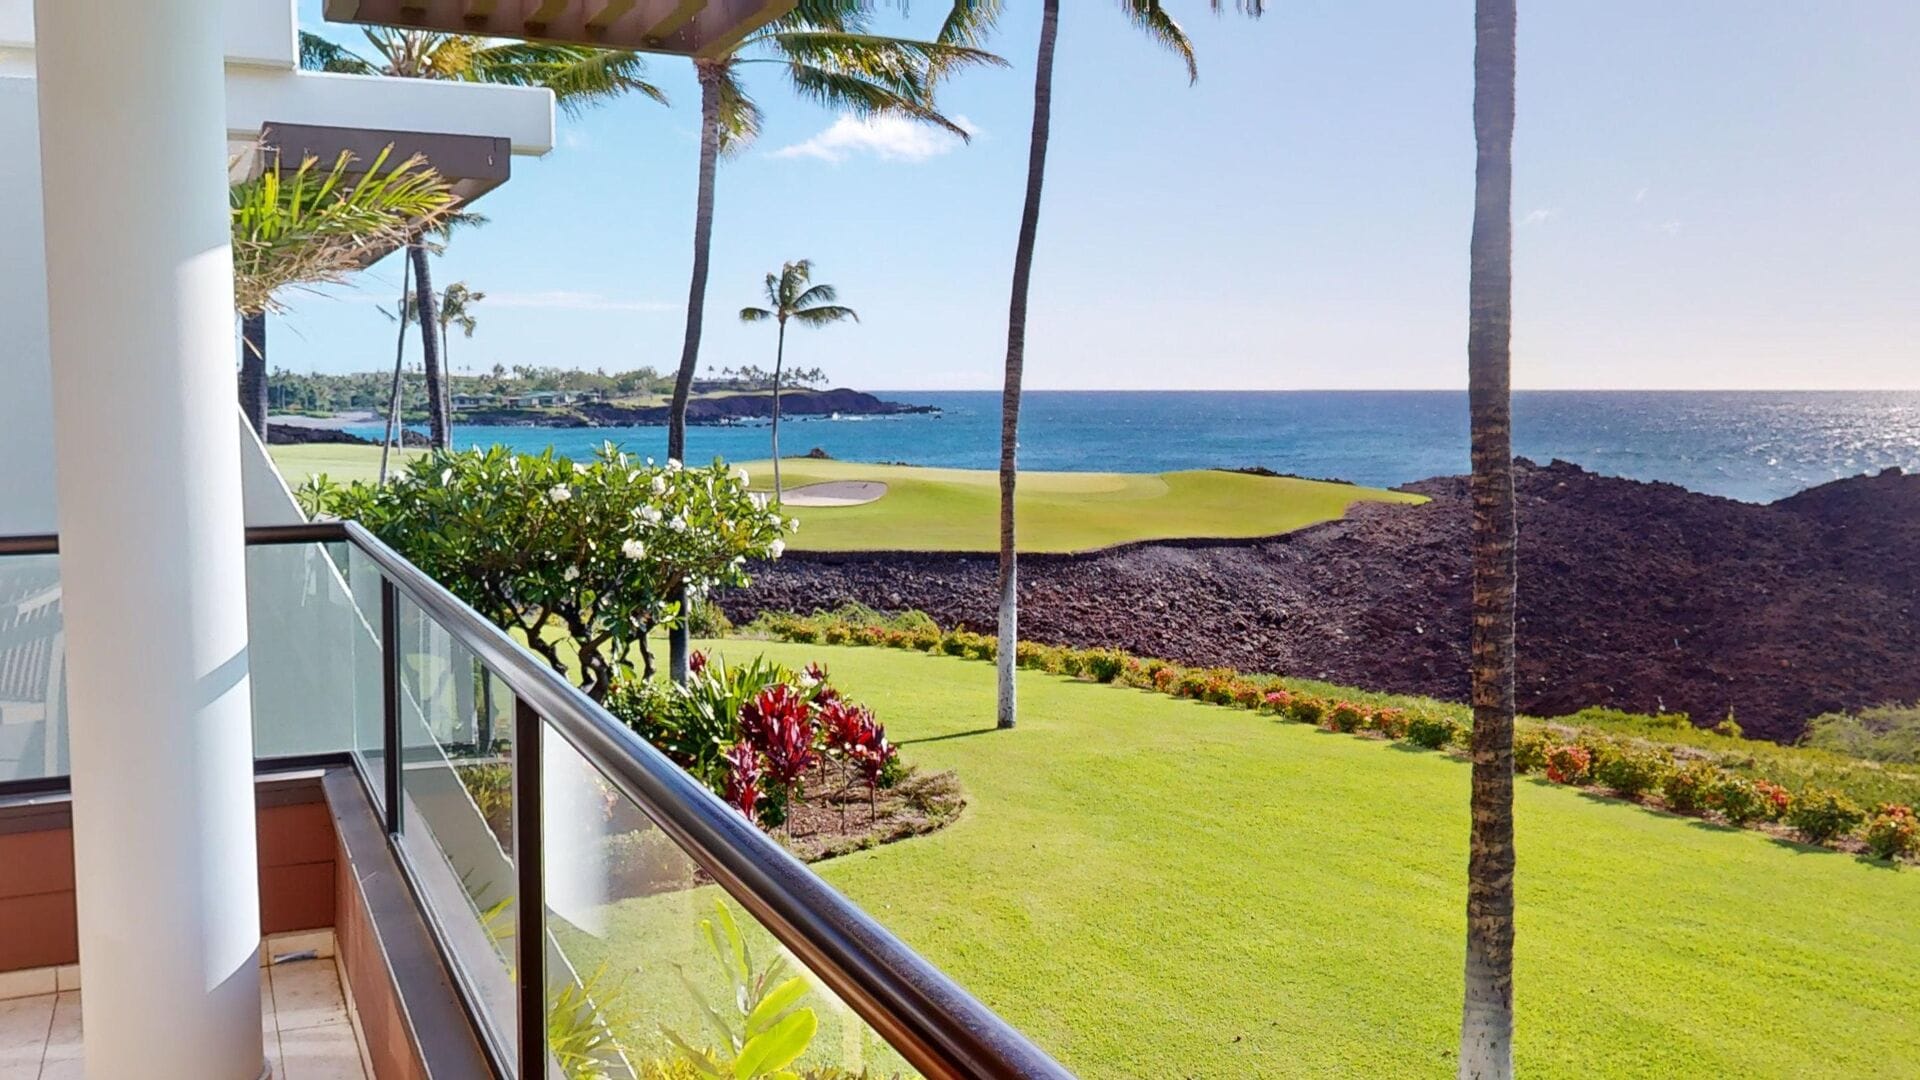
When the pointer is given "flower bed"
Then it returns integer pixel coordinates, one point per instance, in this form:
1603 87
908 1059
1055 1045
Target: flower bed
1815 797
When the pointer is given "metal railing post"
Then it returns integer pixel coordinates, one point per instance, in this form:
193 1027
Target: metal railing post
390 748
530 935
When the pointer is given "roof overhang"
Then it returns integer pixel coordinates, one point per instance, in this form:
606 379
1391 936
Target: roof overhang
471 164
678 27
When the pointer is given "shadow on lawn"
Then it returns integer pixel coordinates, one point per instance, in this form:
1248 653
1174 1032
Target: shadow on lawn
944 738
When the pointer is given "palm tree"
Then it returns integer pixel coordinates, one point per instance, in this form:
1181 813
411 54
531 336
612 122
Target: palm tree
1486 1027
312 226
969 22
456 309
578 76
791 295
830 57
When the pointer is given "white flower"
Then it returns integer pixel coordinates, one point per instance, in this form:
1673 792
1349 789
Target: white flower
579 469
805 679
774 520
759 500
673 464
559 493
678 524
775 549
572 574
650 515
446 477
793 524
741 476
634 549
659 485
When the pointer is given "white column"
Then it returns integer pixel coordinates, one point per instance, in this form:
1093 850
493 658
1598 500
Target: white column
147 476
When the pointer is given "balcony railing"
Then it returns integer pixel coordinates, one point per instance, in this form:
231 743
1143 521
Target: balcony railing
591 899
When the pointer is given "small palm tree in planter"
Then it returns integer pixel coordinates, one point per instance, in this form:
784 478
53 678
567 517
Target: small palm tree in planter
791 294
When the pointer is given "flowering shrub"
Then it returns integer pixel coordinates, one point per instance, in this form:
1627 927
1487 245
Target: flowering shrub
1632 772
595 547
1307 709
1692 788
1435 732
1738 799
1344 716
1569 764
1393 723
1821 816
1893 832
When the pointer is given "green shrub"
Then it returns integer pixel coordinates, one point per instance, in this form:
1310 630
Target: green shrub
1821 816
1893 833
1885 733
1691 788
1738 799
1104 665
1434 732
1306 709
954 643
1730 727
706 620
1633 772
1530 751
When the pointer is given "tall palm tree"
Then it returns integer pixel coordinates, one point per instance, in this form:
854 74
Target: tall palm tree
313 225
969 22
792 295
578 76
455 309
1486 1028
830 56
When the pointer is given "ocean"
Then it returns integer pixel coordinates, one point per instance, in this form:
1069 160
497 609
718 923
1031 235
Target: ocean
1748 445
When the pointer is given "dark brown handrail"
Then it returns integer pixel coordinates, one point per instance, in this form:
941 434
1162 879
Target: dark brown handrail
939 1028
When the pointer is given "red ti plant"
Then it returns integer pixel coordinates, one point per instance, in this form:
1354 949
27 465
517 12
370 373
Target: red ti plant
872 757
845 726
743 779
696 662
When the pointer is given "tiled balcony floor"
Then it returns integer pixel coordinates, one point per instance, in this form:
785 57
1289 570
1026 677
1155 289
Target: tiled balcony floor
303 1015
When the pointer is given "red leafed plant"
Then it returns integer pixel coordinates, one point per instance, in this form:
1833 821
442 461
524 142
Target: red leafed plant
846 726
872 758
743 779
1569 764
696 661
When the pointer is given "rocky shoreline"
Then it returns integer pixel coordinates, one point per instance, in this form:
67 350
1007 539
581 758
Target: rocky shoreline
1637 596
704 411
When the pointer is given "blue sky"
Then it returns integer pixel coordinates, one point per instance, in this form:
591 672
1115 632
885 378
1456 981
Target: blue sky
1719 193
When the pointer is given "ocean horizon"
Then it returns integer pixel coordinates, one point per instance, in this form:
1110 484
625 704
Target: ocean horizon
1756 446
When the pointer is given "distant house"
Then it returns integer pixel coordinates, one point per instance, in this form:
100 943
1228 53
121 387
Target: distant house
539 399
475 401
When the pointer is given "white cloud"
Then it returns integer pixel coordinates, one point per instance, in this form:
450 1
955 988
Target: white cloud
1540 216
1671 228
1640 195
570 300
889 138
572 138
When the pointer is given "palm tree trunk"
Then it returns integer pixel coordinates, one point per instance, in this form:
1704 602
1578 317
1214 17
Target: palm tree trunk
437 431
710 77
1486 1028
446 381
253 371
1016 359
393 399
779 358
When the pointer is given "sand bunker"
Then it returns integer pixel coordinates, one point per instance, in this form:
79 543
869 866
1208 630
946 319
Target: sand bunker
835 493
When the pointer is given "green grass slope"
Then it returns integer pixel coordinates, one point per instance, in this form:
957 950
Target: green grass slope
1151 887
958 509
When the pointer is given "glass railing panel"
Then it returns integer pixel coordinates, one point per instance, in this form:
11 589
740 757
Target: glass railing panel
456 820
654 971
313 650
33 685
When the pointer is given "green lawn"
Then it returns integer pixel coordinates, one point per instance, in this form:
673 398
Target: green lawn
1153 887
958 509
342 462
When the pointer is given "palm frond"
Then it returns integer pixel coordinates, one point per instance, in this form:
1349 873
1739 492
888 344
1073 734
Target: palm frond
315 225
1152 18
754 314
319 54
821 316
579 77
819 294
793 281
740 115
